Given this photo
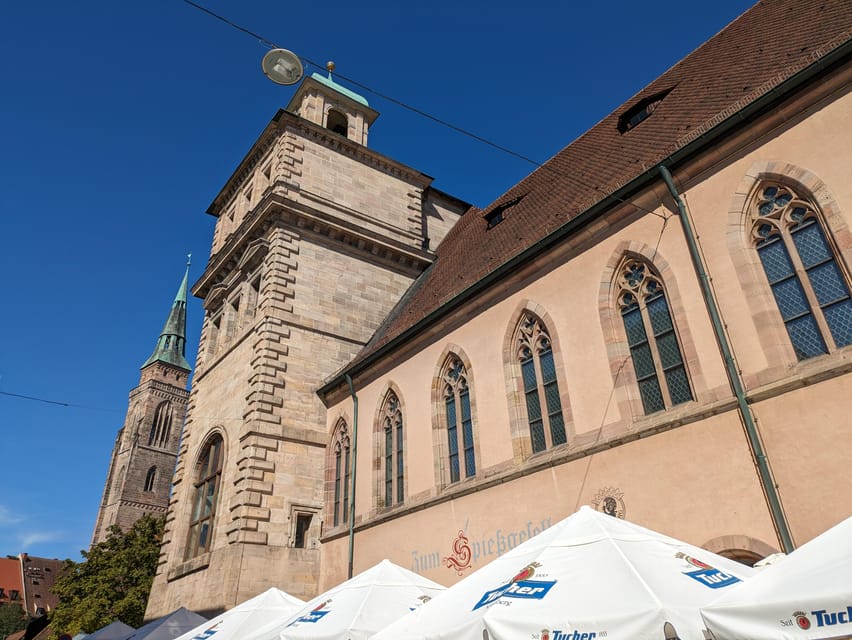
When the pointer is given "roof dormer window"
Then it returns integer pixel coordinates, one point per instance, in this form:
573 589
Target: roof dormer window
496 215
640 111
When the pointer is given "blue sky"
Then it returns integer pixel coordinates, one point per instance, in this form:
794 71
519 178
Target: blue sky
120 122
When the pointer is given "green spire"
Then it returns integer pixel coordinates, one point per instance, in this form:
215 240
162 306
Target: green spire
171 347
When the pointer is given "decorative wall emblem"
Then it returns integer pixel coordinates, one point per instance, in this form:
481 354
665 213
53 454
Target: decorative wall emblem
610 501
460 559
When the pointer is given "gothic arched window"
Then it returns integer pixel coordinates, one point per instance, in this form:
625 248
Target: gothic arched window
541 391
161 425
459 420
149 479
341 468
208 476
392 451
810 286
654 347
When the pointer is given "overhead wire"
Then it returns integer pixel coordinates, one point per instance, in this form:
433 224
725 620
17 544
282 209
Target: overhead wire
272 45
55 402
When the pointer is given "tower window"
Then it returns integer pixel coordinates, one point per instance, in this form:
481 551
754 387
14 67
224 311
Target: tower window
337 122
161 425
150 478
303 523
208 475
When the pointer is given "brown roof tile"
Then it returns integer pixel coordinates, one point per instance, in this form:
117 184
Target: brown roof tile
768 44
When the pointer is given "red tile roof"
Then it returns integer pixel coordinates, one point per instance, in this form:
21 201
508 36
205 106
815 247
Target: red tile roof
767 45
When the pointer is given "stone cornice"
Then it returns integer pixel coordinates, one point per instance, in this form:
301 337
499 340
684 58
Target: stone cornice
278 125
278 209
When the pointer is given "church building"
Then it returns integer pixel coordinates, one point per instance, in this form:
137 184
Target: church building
317 237
656 322
143 458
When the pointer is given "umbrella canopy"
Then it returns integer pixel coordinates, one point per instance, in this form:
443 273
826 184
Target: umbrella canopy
808 594
246 618
357 608
590 576
114 631
169 626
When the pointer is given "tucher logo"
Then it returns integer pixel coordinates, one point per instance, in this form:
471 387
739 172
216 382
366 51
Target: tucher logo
802 620
314 615
558 634
826 618
518 587
707 575
209 631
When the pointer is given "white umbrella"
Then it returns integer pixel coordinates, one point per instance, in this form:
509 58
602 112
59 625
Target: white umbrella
357 608
588 577
806 595
169 626
246 618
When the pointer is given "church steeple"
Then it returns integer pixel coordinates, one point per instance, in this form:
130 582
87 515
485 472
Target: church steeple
171 346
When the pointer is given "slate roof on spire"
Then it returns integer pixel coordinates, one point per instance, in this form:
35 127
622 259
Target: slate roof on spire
171 346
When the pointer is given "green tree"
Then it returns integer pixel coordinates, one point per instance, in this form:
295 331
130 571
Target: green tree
111 583
12 618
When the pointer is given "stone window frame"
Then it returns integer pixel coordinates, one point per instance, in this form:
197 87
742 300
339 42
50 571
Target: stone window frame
328 124
515 398
781 360
625 393
334 479
192 550
439 417
624 287
161 425
312 534
379 454
214 332
150 479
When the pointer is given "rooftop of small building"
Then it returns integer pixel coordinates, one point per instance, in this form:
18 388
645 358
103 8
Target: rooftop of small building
766 46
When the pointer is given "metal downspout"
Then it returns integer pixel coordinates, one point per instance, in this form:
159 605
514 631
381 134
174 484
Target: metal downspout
353 466
766 481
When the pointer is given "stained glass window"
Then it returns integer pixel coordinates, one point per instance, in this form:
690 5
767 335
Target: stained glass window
541 390
394 465
809 284
654 348
462 460
342 463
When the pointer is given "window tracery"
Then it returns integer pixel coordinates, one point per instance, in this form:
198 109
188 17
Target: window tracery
654 347
810 287
459 419
541 390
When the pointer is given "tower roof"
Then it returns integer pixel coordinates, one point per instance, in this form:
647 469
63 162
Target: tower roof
331 84
171 346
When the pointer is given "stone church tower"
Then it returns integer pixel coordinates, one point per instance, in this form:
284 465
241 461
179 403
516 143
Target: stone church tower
317 238
145 451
